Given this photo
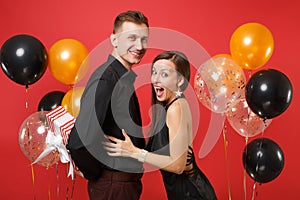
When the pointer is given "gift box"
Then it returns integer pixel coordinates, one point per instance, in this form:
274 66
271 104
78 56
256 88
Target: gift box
60 122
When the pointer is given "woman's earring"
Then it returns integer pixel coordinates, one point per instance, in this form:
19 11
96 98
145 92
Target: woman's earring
178 93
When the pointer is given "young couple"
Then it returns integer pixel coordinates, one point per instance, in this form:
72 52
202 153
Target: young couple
107 143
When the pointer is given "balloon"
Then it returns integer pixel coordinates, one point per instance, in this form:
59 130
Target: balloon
263 160
71 101
32 139
66 57
23 59
269 93
219 83
244 121
251 45
51 100
225 55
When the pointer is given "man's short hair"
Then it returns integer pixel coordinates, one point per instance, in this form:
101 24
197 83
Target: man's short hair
134 16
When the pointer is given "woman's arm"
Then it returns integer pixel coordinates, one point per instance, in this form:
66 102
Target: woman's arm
179 124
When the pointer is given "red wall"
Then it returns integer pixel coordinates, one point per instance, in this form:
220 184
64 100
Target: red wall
211 24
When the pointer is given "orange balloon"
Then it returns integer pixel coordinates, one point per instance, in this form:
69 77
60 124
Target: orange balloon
71 100
67 57
251 45
224 55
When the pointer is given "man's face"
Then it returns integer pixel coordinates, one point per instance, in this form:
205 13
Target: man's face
130 43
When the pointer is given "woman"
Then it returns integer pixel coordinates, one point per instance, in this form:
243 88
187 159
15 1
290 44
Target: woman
170 143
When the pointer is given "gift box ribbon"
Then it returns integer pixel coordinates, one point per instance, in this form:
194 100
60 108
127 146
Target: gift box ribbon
54 142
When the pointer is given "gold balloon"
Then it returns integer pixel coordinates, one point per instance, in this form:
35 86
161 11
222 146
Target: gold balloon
71 101
67 57
224 55
251 45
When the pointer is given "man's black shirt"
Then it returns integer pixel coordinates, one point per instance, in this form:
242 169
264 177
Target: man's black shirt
108 105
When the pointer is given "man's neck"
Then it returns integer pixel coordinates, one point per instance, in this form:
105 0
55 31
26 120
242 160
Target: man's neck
127 65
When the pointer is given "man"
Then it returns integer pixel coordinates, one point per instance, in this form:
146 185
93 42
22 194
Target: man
108 105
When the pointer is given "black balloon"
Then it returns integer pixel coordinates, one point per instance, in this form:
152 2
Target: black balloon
23 59
51 100
269 93
263 160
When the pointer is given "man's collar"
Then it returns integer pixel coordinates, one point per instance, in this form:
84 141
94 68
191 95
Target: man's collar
121 70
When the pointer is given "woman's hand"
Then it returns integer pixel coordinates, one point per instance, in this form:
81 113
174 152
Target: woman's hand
117 147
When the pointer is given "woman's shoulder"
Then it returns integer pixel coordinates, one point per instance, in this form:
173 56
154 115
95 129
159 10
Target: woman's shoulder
179 106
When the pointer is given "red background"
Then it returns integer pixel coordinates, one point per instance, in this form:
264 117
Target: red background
210 23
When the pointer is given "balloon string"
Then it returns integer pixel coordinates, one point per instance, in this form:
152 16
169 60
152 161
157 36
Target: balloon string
245 167
49 183
245 185
49 191
67 192
264 126
28 137
73 186
253 190
227 160
32 178
259 153
249 74
257 165
259 156
260 145
247 122
71 86
57 181
26 97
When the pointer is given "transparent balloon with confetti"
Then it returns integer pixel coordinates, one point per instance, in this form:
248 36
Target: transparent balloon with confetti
219 83
32 139
245 122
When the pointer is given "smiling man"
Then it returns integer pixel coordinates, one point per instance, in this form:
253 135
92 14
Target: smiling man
130 42
108 105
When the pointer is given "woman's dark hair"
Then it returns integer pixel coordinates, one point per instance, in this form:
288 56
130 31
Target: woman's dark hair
134 16
182 65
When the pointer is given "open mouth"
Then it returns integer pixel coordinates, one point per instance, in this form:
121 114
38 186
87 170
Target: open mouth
159 91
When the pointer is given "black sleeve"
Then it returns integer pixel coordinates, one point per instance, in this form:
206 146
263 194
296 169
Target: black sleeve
103 96
96 98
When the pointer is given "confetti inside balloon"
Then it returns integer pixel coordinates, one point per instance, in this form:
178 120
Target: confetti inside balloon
245 122
219 83
32 139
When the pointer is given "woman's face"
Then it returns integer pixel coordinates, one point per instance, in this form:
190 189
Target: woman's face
164 80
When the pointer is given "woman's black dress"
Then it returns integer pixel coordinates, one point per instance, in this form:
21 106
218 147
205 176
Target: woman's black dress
191 184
